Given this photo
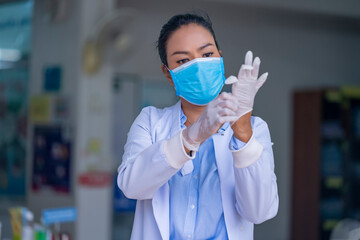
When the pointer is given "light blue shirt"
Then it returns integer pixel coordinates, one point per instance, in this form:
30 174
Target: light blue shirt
196 210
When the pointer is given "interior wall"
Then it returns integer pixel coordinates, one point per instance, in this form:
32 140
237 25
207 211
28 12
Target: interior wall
299 50
53 44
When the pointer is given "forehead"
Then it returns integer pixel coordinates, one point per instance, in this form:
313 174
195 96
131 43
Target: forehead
188 37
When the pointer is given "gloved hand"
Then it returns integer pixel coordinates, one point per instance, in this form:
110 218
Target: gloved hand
222 109
246 85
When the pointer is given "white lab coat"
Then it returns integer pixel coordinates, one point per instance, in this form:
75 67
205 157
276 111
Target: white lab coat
249 194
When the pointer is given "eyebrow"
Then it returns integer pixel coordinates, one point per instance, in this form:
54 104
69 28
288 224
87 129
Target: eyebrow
206 45
186 52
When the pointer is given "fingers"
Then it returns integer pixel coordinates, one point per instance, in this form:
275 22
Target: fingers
247 67
224 119
261 80
249 58
248 62
228 104
231 80
221 101
225 96
228 101
227 108
250 70
225 105
245 71
256 67
223 112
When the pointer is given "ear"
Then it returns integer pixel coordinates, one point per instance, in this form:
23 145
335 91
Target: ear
167 75
220 52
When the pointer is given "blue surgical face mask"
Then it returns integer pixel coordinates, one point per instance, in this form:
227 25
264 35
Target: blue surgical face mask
200 80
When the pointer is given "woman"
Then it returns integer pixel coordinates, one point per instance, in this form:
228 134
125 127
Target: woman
203 168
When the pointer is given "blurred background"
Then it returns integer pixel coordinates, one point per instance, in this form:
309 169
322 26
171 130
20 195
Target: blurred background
75 74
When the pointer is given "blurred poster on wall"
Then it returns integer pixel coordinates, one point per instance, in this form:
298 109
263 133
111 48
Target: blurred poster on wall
49 108
51 160
40 109
13 125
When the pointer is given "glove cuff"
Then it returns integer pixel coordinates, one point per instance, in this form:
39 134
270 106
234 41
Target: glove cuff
189 146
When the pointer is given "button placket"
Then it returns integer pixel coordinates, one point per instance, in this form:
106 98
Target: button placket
190 219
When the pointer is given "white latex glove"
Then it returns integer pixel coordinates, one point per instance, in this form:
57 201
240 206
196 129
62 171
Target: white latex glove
222 109
246 85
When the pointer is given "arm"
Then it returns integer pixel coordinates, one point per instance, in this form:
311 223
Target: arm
255 181
146 166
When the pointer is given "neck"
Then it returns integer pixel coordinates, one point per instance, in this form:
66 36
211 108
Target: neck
191 111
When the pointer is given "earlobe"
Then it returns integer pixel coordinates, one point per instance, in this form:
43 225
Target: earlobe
220 52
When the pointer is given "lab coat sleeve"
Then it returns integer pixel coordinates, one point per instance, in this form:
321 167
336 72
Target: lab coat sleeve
255 181
146 166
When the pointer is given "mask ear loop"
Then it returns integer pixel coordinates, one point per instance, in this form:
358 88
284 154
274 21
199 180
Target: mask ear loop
167 67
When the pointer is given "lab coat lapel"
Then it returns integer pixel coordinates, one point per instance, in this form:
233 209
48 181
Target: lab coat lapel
175 128
160 201
223 155
175 125
224 161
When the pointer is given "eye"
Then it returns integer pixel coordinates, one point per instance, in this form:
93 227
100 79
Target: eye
208 54
182 61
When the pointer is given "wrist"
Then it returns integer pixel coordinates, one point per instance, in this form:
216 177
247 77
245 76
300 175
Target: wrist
243 136
242 128
189 145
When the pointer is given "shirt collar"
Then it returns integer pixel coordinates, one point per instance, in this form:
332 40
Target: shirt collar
183 119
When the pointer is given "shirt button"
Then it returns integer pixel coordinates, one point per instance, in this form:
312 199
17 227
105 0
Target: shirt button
188 236
195 176
192 207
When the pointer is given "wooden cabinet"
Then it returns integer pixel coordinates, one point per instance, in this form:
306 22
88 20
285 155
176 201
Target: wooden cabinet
326 160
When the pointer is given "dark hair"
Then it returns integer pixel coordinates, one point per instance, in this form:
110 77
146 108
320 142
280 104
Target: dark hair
175 23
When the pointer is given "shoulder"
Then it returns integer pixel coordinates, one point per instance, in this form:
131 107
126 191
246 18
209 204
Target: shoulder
156 113
151 115
257 122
